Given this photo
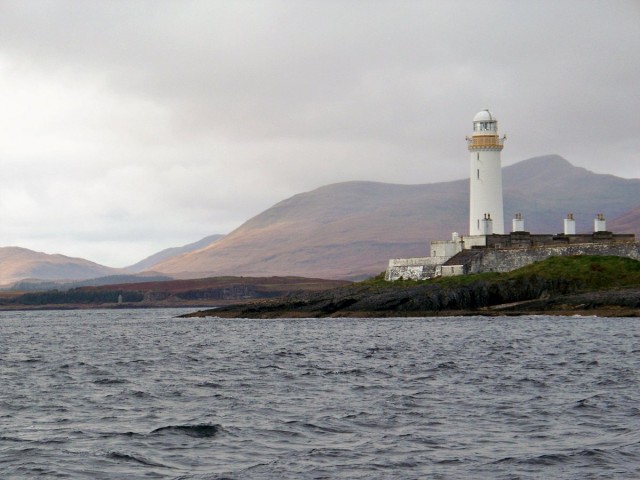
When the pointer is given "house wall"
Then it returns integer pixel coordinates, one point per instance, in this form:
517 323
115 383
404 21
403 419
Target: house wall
420 268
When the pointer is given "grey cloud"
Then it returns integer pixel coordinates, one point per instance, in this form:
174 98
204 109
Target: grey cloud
261 100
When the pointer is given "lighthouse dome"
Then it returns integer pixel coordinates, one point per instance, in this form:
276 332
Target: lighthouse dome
484 116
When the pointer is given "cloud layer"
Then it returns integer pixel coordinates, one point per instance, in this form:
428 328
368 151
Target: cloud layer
129 127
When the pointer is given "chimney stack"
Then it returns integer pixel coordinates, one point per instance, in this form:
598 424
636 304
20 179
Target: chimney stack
518 223
599 223
569 225
487 224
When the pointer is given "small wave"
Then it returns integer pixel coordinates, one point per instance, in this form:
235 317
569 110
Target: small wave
378 351
140 394
109 381
588 363
283 433
32 360
368 387
132 458
198 431
446 366
11 439
596 456
317 428
209 384
533 381
287 353
351 371
124 434
545 459
330 452
595 401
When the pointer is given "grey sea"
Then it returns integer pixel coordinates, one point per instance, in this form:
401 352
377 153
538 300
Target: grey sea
117 394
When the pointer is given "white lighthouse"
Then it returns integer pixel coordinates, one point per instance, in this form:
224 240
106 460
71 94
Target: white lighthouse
485 203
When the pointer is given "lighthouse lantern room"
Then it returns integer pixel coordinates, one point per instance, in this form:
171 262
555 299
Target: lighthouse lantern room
485 200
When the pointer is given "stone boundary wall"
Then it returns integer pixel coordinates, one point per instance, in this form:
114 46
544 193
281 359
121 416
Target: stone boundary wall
502 260
527 240
506 260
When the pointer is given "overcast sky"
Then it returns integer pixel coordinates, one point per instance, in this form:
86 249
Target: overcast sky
132 126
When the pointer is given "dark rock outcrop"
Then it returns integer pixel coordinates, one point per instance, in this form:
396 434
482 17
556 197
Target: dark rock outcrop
531 294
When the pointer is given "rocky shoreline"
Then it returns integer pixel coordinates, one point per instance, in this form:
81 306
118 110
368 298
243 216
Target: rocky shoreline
478 298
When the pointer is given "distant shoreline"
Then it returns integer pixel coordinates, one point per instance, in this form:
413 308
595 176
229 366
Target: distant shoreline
132 306
609 303
604 313
605 286
253 310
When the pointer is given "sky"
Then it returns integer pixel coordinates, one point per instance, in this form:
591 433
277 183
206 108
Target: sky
132 126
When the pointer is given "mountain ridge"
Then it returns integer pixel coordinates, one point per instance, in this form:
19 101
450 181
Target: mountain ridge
351 229
18 263
148 262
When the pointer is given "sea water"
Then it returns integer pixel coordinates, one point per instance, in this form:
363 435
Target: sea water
111 394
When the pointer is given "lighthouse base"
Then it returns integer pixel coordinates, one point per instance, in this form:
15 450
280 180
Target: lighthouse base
504 253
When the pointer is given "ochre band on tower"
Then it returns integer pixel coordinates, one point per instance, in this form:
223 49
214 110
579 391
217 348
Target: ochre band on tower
485 142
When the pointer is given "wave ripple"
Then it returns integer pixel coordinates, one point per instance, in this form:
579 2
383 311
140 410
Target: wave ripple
140 394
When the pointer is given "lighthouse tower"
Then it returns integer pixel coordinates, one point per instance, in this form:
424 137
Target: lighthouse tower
485 205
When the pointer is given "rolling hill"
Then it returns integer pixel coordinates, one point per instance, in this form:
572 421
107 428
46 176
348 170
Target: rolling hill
350 230
25 269
628 222
20 263
149 262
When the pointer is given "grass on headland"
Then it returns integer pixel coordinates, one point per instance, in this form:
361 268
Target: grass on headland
590 271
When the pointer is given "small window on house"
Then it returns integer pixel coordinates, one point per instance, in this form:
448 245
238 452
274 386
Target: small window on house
478 173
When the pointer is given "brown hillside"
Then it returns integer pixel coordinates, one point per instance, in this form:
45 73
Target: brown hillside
333 232
350 230
19 263
628 222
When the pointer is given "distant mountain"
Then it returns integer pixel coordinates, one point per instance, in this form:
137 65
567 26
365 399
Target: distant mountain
149 262
23 269
20 263
627 222
350 230
545 189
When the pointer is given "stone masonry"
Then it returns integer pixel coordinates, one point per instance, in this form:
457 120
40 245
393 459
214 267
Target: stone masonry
504 253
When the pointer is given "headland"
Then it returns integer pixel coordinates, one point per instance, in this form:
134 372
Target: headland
568 285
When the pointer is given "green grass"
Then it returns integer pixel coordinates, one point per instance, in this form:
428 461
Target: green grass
590 271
